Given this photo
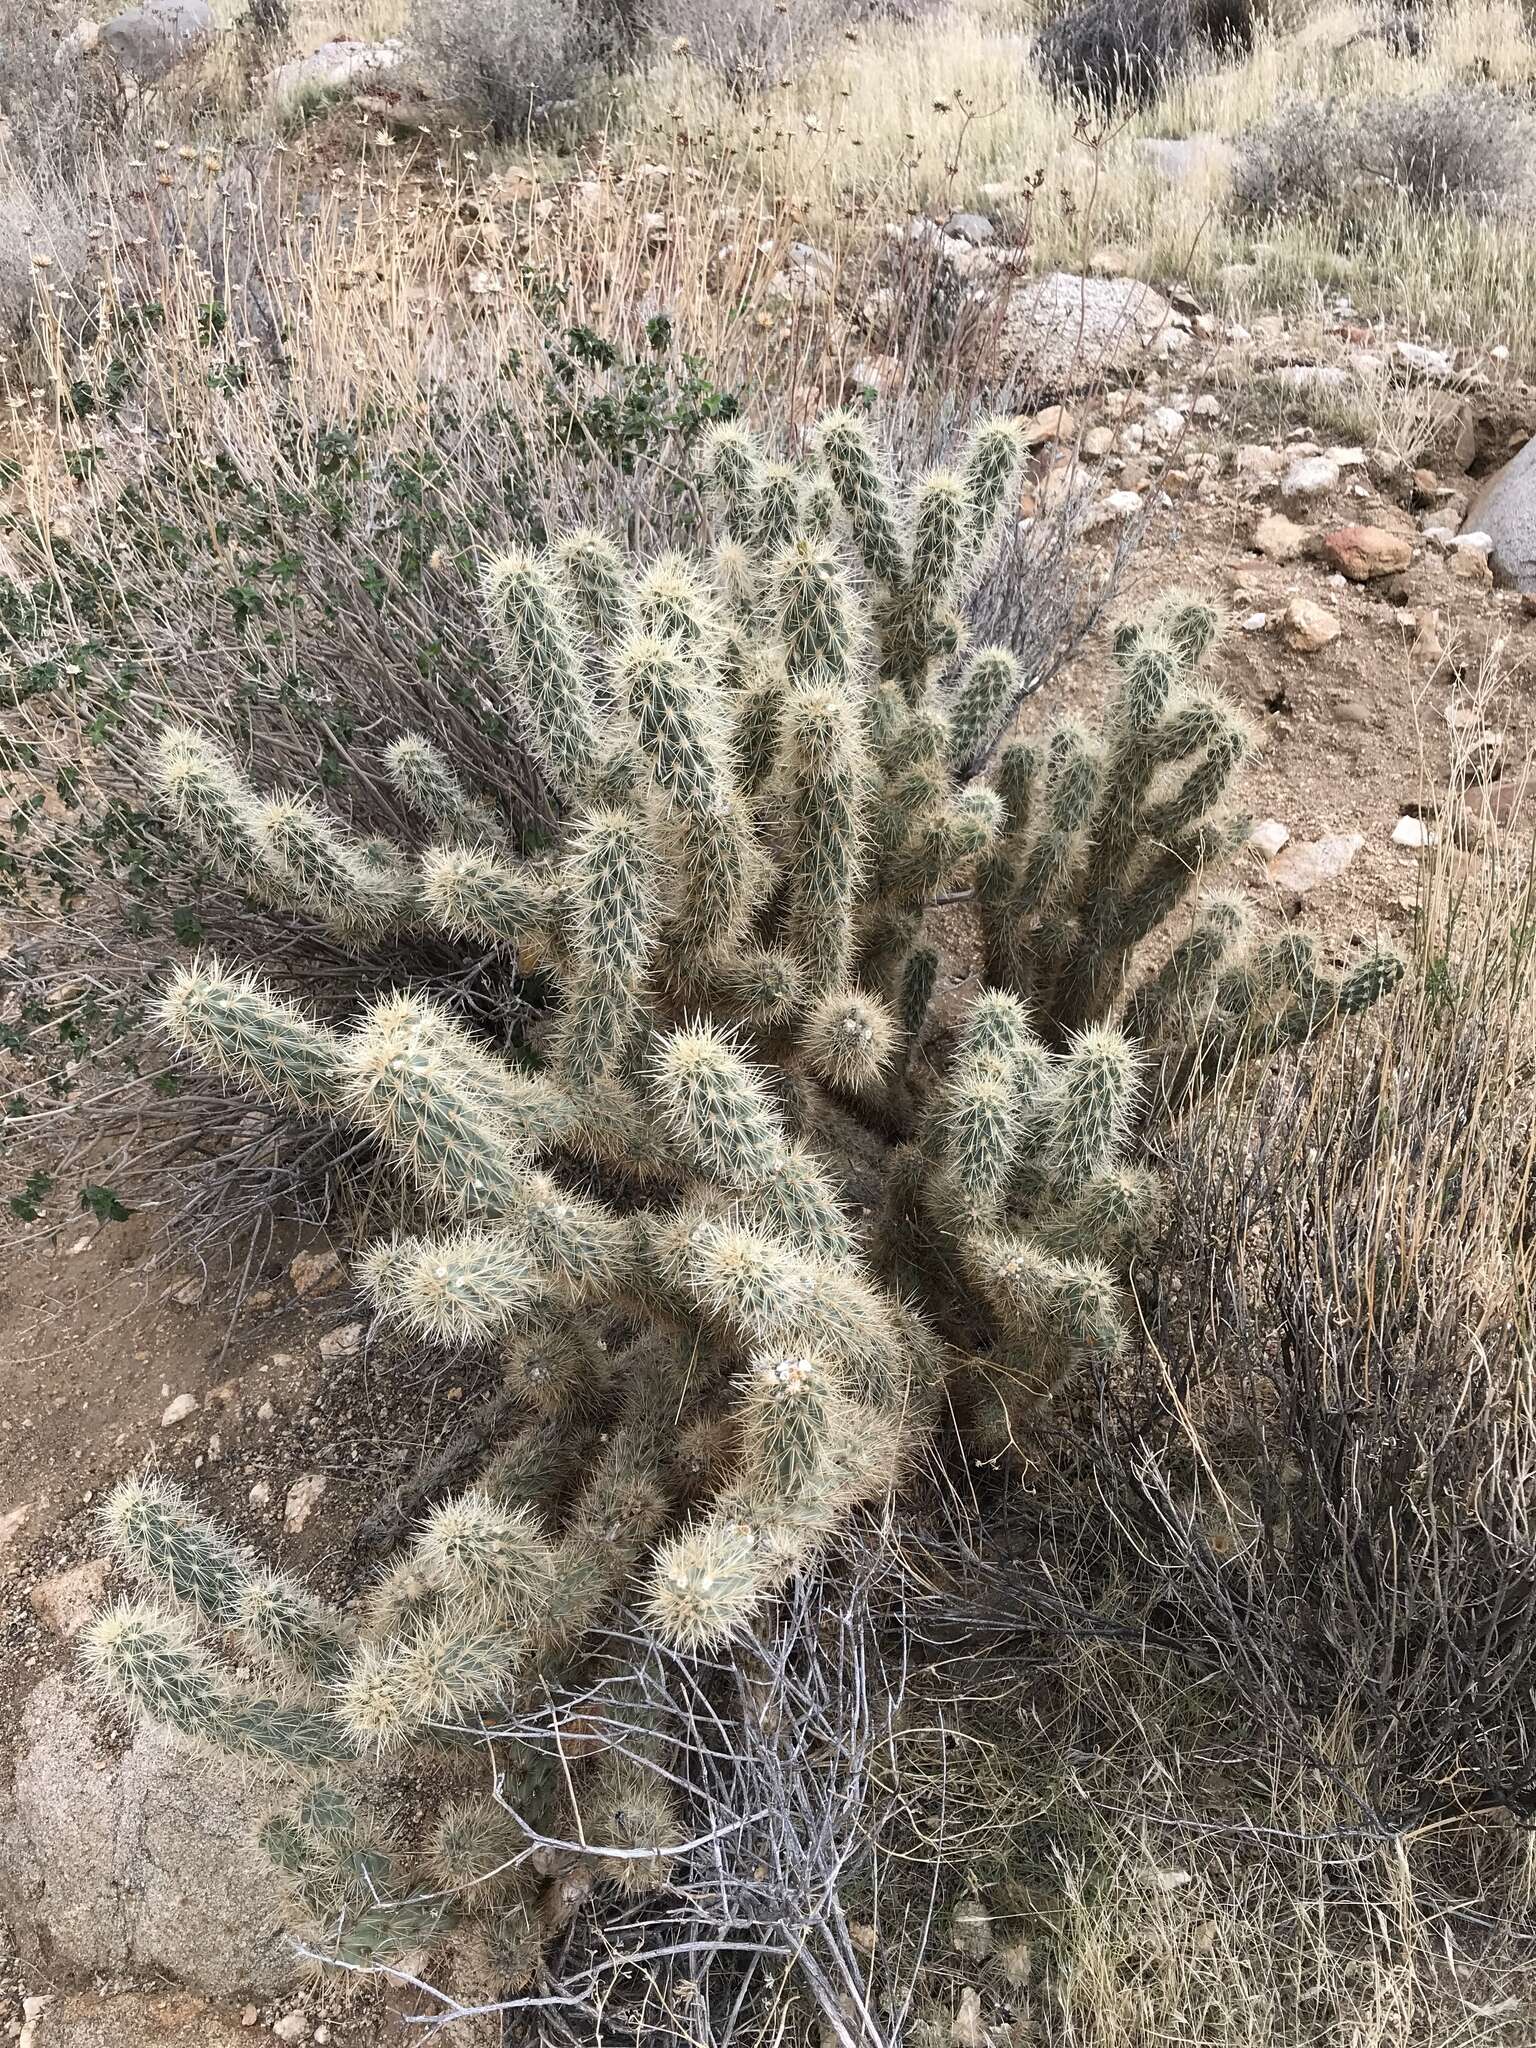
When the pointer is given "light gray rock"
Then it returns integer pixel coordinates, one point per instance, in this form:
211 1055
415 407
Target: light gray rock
336 64
1505 510
139 1865
1071 329
974 228
1310 476
148 42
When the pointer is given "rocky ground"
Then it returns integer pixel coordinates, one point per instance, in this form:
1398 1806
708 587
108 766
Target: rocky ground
1387 665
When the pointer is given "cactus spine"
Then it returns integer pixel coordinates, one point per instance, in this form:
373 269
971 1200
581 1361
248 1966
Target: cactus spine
769 1193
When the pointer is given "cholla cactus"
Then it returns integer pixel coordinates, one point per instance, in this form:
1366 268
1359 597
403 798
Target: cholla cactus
834 1205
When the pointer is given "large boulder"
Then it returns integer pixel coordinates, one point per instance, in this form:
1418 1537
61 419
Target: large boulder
147 43
143 1864
1505 509
1070 329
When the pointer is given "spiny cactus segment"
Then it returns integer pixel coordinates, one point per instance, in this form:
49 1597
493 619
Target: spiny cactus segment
771 1192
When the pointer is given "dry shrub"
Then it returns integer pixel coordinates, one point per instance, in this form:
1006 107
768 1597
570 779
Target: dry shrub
1464 149
1318 1487
525 65
56 109
1112 52
752 44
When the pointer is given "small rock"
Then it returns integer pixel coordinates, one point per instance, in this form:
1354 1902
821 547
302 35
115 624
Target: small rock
1307 627
1363 553
1280 539
1164 425
293 2026
1412 832
12 1524
67 1601
974 228
1255 622
189 1293
343 1342
1054 423
1429 362
178 1411
1120 504
1469 565
1207 406
1268 836
303 1497
260 1494
1307 864
1311 476
315 1273
1258 465
1097 442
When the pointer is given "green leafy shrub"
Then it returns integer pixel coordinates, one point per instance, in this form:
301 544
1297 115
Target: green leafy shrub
738 1249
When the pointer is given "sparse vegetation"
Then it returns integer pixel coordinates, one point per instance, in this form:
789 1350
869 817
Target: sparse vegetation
1467 150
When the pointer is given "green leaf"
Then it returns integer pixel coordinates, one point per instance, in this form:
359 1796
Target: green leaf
104 1205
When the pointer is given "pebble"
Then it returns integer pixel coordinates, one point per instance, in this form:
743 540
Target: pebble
1308 627
1255 622
12 1524
1258 464
1052 423
1268 836
293 2026
1164 425
1312 476
1280 539
1306 864
178 1411
315 1273
304 1497
344 1342
1412 832
67 1600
